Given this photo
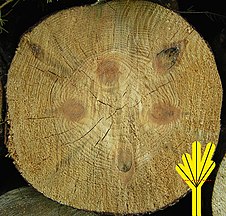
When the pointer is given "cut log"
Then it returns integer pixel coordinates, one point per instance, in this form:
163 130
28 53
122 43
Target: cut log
219 191
26 201
104 100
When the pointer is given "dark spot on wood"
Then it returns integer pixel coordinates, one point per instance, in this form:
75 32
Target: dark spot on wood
36 50
163 113
166 59
73 110
124 158
108 71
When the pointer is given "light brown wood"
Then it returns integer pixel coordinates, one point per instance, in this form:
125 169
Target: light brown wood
219 191
104 100
26 201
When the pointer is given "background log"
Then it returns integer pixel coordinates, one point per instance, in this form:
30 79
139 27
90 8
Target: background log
26 201
219 191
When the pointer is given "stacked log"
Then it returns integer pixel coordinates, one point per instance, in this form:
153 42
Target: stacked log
26 201
219 191
104 100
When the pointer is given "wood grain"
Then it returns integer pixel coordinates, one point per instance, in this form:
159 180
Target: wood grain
104 100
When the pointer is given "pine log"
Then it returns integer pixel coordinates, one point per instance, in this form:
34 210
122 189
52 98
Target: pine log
103 101
219 191
26 201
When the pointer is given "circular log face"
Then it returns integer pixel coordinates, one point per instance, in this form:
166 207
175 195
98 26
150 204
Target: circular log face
219 191
104 100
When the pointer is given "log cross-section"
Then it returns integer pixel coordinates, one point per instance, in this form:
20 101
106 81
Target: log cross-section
103 100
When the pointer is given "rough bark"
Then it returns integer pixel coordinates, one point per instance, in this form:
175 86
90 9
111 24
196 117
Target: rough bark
104 100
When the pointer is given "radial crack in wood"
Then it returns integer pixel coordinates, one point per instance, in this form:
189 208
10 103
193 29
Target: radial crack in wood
103 101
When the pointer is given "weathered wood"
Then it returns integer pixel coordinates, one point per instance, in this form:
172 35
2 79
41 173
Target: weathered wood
26 201
219 191
104 100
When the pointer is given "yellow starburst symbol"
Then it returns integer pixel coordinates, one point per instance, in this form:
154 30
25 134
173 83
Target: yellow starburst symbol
195 172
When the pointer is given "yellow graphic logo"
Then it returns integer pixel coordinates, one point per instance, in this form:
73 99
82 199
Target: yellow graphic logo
195 172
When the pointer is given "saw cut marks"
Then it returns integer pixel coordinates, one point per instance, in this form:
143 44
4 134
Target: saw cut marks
103 101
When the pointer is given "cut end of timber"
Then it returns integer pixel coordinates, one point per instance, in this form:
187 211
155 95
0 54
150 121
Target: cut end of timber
104 100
